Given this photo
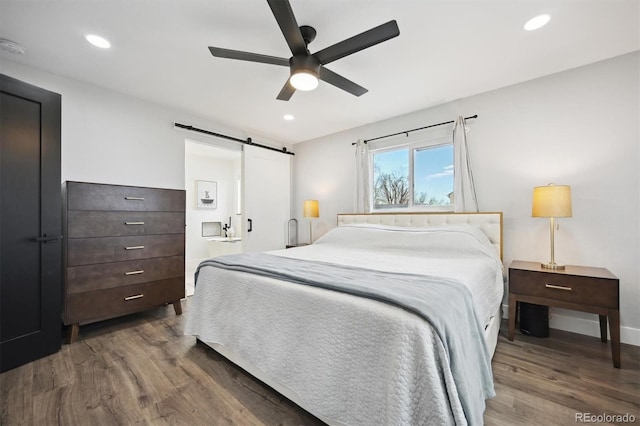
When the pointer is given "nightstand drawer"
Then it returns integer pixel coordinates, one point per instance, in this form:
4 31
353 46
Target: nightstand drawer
568 288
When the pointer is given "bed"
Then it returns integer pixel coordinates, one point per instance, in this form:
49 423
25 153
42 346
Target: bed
377 349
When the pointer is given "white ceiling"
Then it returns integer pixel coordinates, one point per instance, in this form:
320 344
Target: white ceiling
446 50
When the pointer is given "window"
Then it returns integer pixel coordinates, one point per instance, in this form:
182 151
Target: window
391 179
419 176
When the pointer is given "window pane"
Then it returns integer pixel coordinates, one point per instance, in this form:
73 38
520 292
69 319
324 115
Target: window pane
391 179
433 176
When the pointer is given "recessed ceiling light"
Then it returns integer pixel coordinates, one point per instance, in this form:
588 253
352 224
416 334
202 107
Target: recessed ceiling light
537 22
98 41
288 117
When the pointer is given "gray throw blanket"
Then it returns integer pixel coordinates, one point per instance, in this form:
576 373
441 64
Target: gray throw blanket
444 303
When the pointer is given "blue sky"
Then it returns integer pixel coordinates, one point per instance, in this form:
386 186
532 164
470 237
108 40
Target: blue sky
433 168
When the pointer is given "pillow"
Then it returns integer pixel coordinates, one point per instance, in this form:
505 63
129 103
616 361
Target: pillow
434 241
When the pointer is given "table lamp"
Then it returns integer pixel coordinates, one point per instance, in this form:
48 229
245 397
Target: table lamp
551 201
310 209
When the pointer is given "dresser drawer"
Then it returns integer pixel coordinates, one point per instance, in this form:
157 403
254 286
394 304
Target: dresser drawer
87 251
87 223
563 287
102 304
91 196
117 274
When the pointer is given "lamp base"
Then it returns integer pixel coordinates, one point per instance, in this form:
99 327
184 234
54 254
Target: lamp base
552 265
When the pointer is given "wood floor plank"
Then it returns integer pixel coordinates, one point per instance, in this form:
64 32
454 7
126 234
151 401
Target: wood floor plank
16 391
260 399
565 370
512 405
142 370
160 344
196 402
53 372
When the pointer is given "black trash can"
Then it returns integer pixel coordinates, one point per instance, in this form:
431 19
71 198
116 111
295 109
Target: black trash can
534 320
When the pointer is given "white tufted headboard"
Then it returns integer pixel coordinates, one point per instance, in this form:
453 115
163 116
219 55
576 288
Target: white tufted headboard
490 223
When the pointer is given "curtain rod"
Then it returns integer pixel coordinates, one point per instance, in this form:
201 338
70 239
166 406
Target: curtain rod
413 130
248 141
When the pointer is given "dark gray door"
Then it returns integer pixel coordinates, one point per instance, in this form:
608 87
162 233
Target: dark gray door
30 223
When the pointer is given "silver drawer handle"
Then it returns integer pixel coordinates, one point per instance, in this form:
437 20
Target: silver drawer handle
137 296
141 271
558 287
134 248
134 198
134 223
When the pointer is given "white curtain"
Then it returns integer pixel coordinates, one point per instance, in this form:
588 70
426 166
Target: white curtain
362 200
464 191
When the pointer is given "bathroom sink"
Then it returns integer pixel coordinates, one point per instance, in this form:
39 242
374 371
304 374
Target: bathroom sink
224 239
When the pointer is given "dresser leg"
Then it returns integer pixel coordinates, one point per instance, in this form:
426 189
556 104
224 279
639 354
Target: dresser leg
72 332
512 316
177 306
603 328
614 330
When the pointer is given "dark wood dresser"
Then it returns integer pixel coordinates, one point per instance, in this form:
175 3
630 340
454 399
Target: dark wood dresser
123 251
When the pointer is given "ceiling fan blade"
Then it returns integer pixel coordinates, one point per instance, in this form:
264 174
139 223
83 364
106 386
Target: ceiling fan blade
359 42
341 83
248 56
287 21
287 91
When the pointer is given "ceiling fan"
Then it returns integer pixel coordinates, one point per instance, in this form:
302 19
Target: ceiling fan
307 68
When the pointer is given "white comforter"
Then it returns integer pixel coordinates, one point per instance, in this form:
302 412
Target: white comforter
460 252
346 359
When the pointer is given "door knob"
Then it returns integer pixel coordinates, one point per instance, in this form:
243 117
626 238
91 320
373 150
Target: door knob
45 238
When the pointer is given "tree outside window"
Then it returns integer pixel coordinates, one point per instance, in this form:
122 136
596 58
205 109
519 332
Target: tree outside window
391 179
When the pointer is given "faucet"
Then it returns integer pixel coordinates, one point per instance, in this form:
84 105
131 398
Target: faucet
226 227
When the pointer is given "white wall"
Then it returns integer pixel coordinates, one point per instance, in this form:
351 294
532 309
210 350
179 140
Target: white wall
579 127
109 137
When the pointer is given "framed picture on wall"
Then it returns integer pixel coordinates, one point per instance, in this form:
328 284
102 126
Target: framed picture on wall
207 194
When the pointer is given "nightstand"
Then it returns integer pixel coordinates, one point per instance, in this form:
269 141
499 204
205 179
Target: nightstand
579 288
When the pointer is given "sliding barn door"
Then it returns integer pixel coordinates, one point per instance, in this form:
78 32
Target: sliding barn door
266 198
30 223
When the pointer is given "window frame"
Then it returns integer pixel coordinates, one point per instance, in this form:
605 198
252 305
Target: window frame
418 143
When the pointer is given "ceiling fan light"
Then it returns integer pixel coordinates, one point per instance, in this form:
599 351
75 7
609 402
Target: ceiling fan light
304 80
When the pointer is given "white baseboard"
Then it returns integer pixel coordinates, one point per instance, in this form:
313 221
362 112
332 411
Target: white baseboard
584 326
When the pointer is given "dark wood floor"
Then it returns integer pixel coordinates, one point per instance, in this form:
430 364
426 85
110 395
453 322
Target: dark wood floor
141 370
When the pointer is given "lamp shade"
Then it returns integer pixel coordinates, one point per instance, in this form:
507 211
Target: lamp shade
551 201
310 208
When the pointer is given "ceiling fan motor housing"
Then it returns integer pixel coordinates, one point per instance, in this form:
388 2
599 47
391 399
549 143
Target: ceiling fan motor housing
308 33
301 63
